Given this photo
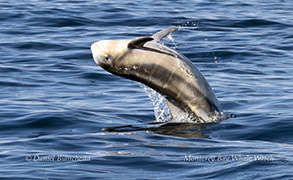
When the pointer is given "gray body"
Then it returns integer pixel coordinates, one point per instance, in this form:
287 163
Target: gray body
163 69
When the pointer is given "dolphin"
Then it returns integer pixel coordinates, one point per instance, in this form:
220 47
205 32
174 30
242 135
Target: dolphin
163 69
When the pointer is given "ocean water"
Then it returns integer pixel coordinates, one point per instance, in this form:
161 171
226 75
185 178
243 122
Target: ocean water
63 117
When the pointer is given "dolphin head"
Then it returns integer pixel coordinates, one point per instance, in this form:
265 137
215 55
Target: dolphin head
112 55
106 53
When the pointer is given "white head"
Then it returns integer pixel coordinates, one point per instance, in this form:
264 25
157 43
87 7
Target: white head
111 55
106 51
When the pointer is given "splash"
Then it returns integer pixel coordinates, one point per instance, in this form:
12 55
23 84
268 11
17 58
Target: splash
184 117
161 109
192 25
162 112
159 102
170 37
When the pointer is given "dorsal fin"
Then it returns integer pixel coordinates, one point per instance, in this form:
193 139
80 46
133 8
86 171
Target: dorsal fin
163 33
139 42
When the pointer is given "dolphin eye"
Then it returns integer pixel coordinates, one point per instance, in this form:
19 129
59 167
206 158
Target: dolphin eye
107 57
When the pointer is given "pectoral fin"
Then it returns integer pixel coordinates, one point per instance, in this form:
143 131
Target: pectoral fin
174 110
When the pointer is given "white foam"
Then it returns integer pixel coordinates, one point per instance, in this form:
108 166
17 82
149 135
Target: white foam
161 109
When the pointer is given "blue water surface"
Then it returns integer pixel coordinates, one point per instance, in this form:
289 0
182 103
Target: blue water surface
63 117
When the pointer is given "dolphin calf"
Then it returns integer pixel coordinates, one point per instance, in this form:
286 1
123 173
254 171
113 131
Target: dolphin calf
163 69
